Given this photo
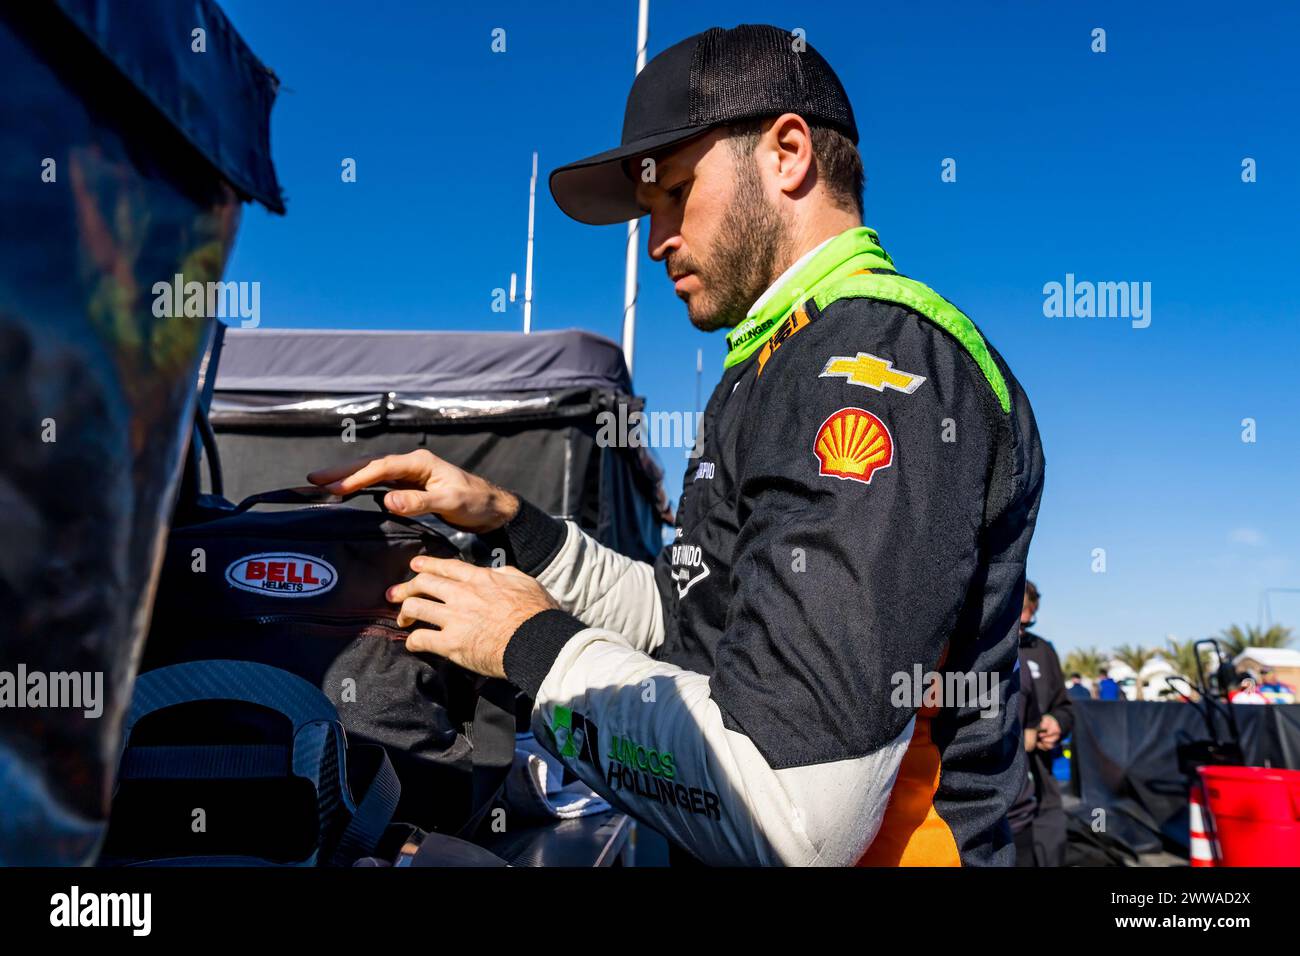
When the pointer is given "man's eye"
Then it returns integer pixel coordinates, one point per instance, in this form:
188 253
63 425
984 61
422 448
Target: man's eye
677 192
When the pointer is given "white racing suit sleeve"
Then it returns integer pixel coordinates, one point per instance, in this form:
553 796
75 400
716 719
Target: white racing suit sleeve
605 589
597 585
648 737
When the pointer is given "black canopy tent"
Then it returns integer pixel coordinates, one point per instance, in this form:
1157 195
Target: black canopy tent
524 411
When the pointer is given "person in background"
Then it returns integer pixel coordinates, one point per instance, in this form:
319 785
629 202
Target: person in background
1246 692
1039 658
1021 814
1277 691
1077 689
1107 689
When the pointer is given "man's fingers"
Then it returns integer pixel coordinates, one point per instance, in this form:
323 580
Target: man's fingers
324 476
424 585
413 467
422 610
425 641
379 471
413 503
453 569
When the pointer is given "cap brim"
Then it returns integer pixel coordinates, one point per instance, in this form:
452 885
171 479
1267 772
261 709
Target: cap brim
598 191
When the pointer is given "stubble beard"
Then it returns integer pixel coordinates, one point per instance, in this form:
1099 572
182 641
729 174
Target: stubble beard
752 242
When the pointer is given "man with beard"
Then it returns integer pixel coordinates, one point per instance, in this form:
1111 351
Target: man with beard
867 483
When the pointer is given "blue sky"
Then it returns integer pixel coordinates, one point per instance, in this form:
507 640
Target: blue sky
1116 166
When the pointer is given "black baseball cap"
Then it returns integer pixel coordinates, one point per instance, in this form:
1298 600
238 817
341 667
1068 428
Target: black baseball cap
713 78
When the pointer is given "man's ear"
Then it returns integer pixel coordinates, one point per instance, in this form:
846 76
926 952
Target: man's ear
787 147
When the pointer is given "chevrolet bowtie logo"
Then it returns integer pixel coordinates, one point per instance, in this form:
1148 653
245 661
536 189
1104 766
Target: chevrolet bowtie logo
871 371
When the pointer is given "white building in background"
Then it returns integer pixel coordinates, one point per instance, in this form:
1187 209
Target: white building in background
1123 675
1155 675
1283 662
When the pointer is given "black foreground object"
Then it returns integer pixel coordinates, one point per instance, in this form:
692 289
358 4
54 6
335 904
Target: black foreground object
150 151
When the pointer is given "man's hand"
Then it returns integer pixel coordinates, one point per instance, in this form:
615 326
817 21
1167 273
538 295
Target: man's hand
435 486
474 611
1049 733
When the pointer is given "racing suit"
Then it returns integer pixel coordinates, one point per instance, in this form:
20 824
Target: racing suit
852 529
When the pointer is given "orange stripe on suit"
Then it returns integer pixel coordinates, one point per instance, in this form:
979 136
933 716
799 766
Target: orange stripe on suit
912 832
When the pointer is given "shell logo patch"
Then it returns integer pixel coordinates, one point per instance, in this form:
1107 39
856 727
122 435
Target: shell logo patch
282 574
853 444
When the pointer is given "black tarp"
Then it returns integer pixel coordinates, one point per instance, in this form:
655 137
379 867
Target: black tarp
523 411
1126 758
219 100
124 157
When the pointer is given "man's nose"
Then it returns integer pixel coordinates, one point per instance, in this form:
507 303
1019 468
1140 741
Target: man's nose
664 239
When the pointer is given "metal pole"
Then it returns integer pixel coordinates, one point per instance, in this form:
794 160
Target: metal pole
634 225
1266 605
528 265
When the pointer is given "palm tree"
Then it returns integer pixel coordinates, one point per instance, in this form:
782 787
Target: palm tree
1087 661
1182 656
1236 639
1136 657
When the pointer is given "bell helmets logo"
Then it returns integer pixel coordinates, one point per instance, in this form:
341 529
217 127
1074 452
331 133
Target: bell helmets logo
853 444
282 574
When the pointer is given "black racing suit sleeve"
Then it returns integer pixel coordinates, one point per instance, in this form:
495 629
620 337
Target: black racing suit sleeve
529 540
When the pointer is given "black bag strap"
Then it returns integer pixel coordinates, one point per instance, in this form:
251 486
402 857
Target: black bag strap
308 495
205 762
493 739
375 807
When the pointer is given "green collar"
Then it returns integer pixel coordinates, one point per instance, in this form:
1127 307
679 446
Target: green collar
853 249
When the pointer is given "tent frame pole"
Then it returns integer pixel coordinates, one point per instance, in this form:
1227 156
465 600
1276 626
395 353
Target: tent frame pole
634 225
